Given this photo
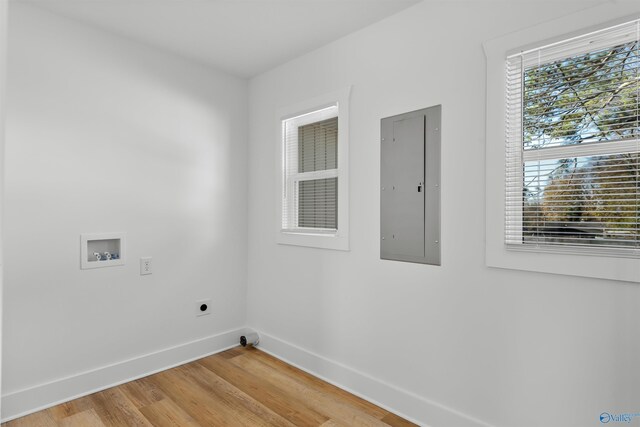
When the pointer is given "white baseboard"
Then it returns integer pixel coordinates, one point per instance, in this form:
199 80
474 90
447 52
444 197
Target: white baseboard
404 403
23 402
408 405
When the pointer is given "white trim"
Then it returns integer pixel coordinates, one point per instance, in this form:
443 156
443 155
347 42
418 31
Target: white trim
4 10
338 240
32 399
304 117
496 51
576 44
404 403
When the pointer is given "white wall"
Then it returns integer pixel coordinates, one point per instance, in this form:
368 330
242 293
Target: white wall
3 74
107 135
104 134
504 347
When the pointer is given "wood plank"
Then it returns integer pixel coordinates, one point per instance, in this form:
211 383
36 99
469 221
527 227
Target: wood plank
333 423
282 402
142 393
82 419
64 410
207 409
397 421
330 405
39 419
114 409
233 397
200 407
234 352
166 413
323 386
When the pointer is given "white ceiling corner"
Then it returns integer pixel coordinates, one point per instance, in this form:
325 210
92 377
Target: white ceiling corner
242 37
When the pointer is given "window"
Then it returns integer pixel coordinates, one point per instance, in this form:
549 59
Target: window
310 196
573 145
313 140
508 243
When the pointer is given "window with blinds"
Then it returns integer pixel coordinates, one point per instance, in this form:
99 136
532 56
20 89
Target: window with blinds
310 182
573 144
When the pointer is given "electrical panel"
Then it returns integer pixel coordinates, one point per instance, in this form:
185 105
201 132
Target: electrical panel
410 186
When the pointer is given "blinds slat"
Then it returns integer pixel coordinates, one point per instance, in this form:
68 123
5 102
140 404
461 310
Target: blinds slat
572 155
310 181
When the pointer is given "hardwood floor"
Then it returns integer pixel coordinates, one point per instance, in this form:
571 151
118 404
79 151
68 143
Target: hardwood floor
239 387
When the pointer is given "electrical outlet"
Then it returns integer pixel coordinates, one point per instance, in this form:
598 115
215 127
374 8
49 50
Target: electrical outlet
145 265
203 307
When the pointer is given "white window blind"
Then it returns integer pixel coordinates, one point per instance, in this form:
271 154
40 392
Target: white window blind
573 145
311 174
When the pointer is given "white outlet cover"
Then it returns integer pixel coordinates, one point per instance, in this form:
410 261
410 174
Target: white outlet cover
146 266
199 304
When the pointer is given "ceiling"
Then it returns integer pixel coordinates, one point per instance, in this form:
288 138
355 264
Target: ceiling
243 37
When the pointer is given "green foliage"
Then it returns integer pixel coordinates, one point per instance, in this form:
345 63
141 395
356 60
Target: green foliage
587 98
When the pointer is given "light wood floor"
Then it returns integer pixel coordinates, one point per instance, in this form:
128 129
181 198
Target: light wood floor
239 387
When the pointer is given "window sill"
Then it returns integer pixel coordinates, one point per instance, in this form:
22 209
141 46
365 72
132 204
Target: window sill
333 241
599 267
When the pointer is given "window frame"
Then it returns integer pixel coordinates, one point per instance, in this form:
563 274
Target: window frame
528 258
291 181
315 237
520 156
